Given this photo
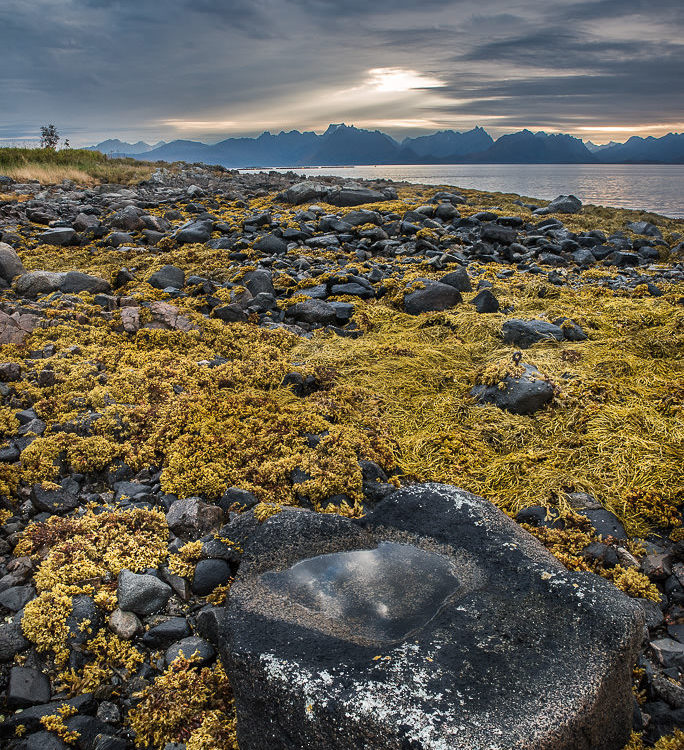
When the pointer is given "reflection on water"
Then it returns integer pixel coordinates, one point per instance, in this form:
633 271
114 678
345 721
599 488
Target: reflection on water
382 594
651 187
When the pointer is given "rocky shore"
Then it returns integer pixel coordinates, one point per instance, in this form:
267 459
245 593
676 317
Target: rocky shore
184 361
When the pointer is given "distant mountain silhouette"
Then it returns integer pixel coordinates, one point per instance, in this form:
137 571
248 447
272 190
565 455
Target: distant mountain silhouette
669 150
342 145
446 143
115 146
526 147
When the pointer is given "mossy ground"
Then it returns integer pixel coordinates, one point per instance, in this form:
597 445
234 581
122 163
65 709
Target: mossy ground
398 395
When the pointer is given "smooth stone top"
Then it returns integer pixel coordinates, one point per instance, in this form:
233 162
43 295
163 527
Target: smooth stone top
363 591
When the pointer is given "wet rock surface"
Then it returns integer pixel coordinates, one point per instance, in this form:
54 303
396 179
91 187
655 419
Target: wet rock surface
307 672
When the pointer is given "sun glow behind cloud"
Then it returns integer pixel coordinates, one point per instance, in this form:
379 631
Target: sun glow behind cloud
399 80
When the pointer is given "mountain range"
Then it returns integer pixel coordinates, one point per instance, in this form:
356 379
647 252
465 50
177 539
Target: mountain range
343 145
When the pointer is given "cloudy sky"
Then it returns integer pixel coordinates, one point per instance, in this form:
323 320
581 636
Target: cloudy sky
207 69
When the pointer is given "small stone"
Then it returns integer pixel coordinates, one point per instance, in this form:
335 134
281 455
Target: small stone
124 624
142 594
191 517
27 687
17 597
202 650
108 712
485 302
166 632
208 575
12 641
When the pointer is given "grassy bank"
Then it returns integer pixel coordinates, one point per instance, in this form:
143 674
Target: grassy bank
81 166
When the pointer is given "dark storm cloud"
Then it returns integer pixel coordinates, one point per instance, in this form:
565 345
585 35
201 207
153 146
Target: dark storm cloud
153 67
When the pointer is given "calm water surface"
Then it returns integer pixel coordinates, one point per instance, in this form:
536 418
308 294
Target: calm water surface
651 187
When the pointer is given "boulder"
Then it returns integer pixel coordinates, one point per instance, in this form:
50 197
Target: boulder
76 281
644 228
10 263
33 283
353 196
433 622
459 279
164 316
60 236
198 232
313 311
16 326
524 333
563 204
168 276
433 297
258 281
272 244
303 192
485 301
523 394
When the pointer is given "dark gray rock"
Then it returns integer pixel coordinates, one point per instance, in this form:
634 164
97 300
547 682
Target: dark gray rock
605 523
434 297
645 228
459 279
168 276
12 641
27 687
522 394
524 333
313 311
563 204
42 741
84 612
496 233
482 635
193 233
202 650
10 263
17 597
272 244
142 594
353 196
303 192
55 502
162 635
485 302
60 236
75 282
33 283
258 281
208 575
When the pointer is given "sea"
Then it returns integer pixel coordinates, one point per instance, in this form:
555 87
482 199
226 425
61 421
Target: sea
658 188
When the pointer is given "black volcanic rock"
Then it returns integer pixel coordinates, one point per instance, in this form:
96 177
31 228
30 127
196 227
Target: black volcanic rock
433 622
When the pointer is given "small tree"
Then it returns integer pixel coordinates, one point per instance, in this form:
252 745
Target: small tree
66 143
49 137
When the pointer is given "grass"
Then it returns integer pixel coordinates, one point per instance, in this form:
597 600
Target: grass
50 167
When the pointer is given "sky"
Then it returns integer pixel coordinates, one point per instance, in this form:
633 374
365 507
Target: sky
208 69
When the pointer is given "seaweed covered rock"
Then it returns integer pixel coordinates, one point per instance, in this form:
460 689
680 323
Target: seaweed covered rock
522 394
433 622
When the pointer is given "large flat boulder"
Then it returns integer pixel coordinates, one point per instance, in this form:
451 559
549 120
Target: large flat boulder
435 622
